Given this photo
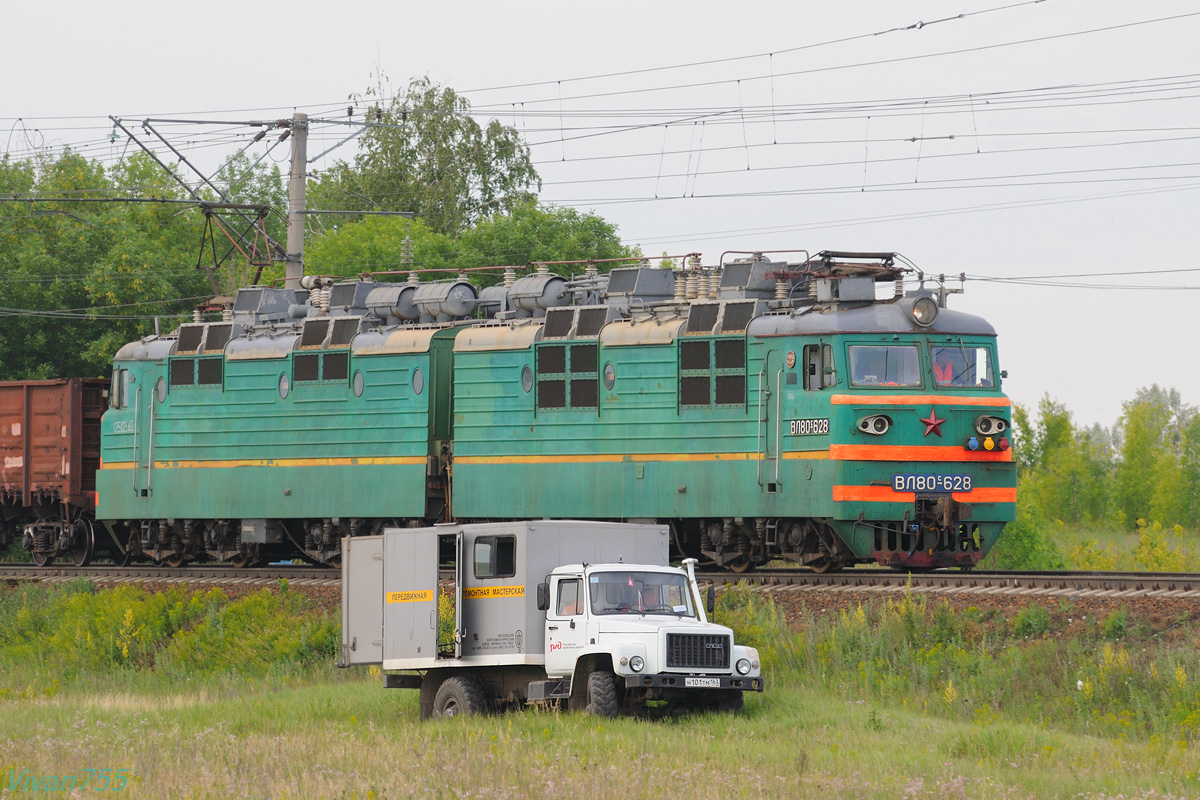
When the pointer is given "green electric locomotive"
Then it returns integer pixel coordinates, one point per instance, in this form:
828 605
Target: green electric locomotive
764 409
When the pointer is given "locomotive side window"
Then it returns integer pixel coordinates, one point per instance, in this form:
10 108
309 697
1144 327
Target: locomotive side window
885 365
306 367
712 371
183 372
118 395
818 367
567 376
969 366
336 367
495 556
209 371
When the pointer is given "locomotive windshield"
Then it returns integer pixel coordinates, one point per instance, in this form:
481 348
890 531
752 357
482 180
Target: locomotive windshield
885 365
962 365
640 593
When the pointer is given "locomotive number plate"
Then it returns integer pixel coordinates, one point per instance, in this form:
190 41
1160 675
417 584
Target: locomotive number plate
808 427
931 483
703 683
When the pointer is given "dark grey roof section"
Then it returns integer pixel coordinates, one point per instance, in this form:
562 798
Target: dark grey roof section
152 348
876 318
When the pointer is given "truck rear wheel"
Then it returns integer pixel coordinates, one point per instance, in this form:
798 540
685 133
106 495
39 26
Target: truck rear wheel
602 694
459 696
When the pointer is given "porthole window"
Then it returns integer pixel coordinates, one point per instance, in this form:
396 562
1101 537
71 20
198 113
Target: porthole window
161 389
359 383
284 386
527 379
610 376
418 381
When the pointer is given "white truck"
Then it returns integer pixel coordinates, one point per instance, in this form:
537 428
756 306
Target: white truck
586 615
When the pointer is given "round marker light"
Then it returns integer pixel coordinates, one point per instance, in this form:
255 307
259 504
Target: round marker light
989 444
743 666
637 663
973 443
880 424
1004 444
925 311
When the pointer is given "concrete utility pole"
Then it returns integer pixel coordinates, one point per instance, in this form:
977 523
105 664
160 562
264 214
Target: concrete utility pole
295 220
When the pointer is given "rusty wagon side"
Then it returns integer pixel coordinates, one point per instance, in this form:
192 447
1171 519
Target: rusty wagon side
49 454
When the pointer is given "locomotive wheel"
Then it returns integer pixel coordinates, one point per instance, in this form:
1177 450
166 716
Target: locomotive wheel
173 561
42 559
82 550
825 565
742 563
240 562
120 559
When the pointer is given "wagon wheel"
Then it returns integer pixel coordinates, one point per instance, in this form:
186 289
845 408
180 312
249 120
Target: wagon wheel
120 559
241 561
83 542
43 559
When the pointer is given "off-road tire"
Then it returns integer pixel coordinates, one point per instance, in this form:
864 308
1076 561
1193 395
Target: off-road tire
602 697
459 696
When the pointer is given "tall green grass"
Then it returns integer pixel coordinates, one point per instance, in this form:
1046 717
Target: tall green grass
76 634
980 666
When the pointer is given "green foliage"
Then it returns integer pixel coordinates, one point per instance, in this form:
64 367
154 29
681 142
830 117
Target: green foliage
1029 542
431 158
1115 624
1153 553
74 632
1031 621
756 622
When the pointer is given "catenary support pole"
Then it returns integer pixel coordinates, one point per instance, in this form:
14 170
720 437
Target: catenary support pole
295 221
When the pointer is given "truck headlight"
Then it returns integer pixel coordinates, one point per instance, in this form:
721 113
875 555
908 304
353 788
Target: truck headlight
637 663
743 666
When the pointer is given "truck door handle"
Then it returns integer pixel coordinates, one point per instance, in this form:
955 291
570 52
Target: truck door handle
552 627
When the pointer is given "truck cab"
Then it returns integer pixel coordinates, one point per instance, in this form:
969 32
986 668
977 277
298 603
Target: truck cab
645 624
565 613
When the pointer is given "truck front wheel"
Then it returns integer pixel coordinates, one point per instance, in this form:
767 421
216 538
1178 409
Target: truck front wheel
731 702
459 696
602 698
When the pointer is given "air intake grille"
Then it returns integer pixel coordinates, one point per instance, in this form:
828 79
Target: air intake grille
697 650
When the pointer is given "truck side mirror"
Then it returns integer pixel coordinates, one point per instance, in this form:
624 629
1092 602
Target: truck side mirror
711 603
543 596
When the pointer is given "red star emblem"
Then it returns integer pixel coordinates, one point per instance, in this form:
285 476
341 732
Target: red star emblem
933 424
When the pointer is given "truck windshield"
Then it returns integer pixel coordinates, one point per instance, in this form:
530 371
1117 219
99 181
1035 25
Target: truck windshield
640 593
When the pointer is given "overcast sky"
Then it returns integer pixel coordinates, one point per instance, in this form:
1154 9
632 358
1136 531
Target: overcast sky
1054 140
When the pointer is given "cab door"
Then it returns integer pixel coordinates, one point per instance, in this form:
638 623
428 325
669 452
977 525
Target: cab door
566 624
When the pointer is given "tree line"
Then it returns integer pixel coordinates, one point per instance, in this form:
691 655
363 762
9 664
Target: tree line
82 274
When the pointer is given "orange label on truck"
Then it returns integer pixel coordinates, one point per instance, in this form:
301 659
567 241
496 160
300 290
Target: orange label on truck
410 597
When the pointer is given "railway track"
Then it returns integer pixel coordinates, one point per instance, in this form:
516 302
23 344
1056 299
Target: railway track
884 582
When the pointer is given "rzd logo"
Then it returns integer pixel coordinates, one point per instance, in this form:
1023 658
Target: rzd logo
555 646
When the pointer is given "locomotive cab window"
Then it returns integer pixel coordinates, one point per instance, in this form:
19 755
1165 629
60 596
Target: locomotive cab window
885 365
495 556
968 366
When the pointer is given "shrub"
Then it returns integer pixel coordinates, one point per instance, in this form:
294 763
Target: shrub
1031 621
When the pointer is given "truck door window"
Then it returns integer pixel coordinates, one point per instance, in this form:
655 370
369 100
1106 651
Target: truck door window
569 604
495 556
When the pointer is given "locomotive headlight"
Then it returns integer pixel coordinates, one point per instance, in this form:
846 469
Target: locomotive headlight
637 663
924 311
743 666
876 425
990 426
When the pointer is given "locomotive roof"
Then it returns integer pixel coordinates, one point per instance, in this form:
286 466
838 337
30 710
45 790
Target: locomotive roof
152 348
869 318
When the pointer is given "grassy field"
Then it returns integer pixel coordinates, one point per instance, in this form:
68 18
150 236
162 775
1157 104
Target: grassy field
201 695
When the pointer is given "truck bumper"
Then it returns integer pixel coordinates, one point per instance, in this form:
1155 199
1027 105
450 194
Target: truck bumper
697 682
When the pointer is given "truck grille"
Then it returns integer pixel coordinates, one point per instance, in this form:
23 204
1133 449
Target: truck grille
697 650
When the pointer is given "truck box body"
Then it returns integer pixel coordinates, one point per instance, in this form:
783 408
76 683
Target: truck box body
390 588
